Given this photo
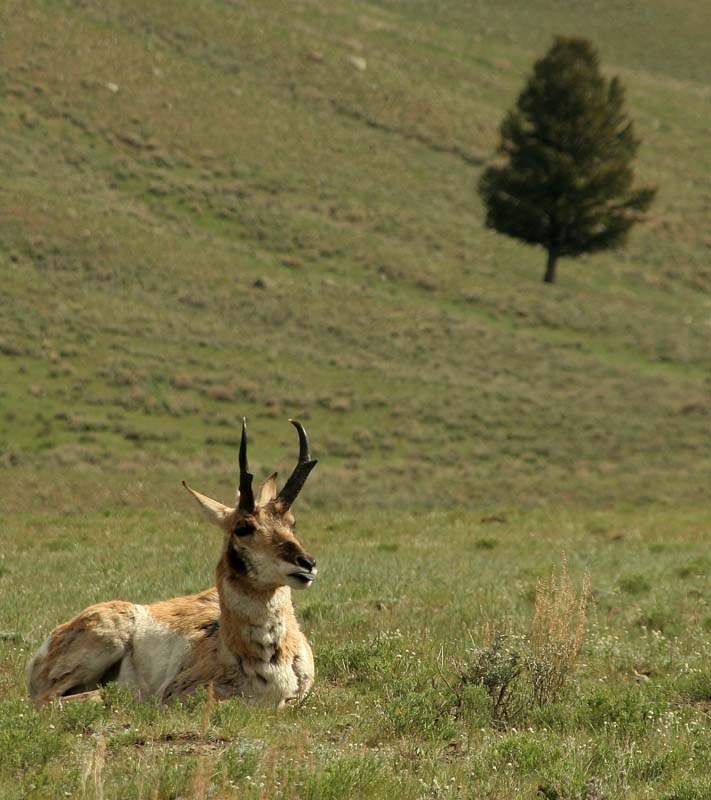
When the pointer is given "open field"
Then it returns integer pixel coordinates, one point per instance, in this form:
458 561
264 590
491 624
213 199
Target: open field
220 209
393 619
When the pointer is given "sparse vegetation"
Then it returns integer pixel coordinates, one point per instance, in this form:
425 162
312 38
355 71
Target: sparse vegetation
131 331
267 209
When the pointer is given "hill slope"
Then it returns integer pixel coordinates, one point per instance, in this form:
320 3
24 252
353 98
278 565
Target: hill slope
220 209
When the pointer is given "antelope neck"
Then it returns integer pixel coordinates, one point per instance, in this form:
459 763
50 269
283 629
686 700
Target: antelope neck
254 622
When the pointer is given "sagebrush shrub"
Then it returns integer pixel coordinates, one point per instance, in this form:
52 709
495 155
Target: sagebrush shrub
523 672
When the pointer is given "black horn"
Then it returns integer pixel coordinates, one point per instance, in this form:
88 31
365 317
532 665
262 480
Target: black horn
301 471
246 495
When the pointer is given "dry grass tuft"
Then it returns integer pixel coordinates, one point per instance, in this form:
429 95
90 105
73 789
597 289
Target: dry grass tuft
519 672
557 633
201 776
94 766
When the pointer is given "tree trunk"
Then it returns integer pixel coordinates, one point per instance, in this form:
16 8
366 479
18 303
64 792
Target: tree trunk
549 277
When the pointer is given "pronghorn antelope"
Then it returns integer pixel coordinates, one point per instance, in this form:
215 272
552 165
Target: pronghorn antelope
241 636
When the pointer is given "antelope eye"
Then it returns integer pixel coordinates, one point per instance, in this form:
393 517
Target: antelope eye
244 530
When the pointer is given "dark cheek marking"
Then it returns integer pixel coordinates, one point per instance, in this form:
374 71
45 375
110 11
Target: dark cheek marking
237 563
289 551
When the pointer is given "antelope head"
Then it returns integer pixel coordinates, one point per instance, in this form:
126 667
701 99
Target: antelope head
260 547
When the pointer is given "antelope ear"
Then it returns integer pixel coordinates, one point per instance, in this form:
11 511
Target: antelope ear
214 512
268 491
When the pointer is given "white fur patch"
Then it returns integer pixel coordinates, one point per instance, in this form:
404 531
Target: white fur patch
255 610
157 655
266 682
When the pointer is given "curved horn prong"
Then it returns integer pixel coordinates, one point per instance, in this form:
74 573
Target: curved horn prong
246 495
304 451
301 472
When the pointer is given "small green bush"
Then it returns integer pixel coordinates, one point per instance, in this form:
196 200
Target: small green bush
634 584
486 543
521 674
696 686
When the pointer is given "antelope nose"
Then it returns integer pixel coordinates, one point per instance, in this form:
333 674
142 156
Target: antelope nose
305 562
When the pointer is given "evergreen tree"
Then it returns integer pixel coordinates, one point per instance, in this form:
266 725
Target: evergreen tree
566 182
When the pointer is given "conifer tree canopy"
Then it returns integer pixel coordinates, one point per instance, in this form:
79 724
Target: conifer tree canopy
566 180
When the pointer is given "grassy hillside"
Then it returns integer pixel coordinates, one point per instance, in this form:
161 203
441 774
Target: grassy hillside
216 209
161 159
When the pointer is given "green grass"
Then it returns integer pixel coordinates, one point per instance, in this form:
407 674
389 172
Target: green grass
393 619
136 222
208 211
